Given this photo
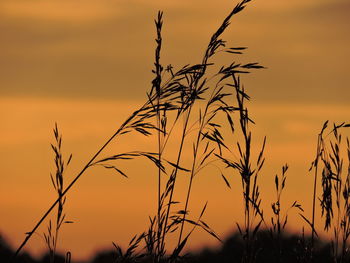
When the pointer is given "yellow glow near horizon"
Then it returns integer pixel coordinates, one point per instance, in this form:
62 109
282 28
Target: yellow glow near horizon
96 203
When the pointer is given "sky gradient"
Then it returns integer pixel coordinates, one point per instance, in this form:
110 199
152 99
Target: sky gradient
87 65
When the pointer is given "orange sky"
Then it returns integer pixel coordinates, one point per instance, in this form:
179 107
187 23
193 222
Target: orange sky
75 62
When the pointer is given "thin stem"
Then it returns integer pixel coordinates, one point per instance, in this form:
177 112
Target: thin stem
159 180
192 171
314 195
175 174
29 235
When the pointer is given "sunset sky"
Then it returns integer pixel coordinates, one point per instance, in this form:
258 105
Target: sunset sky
86 64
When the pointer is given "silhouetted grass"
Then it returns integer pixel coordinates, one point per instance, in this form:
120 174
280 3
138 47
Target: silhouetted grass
204 106
334 201
54 226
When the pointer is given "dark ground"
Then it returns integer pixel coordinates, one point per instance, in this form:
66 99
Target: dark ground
292 249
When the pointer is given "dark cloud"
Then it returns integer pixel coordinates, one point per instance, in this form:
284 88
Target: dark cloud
304 48
330 12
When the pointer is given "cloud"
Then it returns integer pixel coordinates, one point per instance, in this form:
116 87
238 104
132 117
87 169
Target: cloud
80 11
329 11
63 11
106 48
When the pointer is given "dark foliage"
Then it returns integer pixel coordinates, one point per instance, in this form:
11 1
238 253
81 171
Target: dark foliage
231 251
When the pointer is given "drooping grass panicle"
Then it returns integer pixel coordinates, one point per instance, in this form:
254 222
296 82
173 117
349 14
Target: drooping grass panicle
138 121
173 96
334 200
253 214
191 84
209 135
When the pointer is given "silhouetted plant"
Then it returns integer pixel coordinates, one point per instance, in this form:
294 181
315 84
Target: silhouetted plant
138 121
279 220
194 85
249 175
335 189
53 228
200 99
